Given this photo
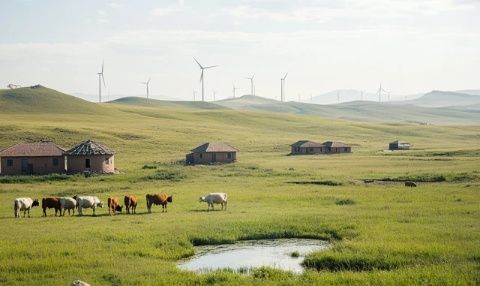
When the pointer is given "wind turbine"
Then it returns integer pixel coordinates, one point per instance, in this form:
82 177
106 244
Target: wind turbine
146 83
282 88
251 84
194 92
100 79
234 89
202 78
379 92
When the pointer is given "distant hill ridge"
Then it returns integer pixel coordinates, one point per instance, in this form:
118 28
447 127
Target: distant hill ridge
39 99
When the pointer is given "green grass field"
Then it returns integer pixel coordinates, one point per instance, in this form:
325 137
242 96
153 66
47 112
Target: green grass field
381 234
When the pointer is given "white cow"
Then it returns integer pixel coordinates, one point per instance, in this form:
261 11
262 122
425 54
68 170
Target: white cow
24 204
67 203
215 198
88 202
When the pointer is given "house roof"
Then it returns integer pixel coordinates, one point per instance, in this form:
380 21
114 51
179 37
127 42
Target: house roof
89 148
34 149
399 142
214 147
335 144
306 144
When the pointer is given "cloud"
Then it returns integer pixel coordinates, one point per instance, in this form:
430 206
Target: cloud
169 9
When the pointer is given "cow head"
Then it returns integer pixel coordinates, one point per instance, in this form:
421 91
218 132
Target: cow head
35 203
100 205
118 209
202 199
170 199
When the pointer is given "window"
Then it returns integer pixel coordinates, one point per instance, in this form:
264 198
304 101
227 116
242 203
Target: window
229 155
55 162
107 161
345 149
87 163
310 150
200 156
9 162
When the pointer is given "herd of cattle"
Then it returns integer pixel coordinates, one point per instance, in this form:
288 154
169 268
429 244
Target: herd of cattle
62 204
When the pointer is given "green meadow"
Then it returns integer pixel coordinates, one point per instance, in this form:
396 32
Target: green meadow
381 233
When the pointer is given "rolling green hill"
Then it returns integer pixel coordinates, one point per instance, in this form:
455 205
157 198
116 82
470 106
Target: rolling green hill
139 101
385 234
39 99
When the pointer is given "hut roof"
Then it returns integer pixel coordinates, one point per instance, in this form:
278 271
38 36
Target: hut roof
335 144
214 147
89 148
306 143
34 149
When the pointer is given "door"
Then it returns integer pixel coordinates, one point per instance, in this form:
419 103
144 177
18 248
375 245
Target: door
24 164
214 157
87 163
30 169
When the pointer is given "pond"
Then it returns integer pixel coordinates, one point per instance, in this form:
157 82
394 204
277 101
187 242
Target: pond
284 254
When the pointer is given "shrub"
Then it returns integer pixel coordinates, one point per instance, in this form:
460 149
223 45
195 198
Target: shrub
342 202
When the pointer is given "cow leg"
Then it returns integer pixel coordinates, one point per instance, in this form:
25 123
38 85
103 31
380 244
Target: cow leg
28 212
94 211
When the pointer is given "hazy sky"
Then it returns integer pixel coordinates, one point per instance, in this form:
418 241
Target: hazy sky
410 45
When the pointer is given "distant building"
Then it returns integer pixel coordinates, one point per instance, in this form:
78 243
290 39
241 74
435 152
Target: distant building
397 145
305 147
90 156
32 158
210 153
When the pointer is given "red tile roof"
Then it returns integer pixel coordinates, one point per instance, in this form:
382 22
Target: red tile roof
36 149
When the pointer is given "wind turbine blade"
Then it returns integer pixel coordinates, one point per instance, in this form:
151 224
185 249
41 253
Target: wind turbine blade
103 79
253 76
201 76
285 76
148 81
102 66
198 63
210 67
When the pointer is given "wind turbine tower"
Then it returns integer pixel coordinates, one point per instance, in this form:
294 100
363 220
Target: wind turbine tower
251 84
234 89
379 92
282 88
101 79
146 83
202 79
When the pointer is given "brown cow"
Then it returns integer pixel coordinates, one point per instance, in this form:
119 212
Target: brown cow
131 202
158 199
113 205
49 203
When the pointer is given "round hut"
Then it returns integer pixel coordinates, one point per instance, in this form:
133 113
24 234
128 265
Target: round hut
90 156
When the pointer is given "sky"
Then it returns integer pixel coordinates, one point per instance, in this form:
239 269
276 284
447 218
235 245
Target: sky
411 46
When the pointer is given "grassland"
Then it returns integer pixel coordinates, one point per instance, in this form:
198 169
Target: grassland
381 234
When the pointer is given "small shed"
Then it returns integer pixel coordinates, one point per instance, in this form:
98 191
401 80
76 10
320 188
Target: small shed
399 145
38 158
210 153
307 147
92 157
336 147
